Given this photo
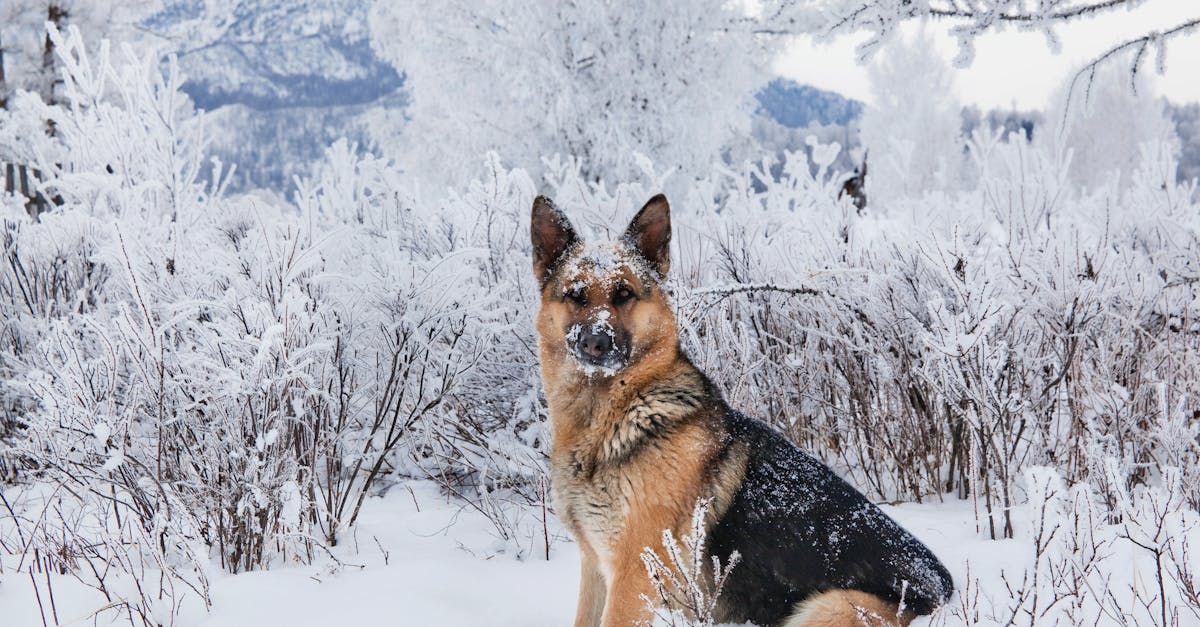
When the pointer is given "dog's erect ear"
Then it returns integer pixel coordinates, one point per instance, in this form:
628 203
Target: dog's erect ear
552 236
650 233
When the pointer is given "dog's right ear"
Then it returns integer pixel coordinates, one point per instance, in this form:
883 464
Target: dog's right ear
552 236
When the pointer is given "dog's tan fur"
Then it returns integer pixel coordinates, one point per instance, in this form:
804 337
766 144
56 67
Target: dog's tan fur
848 608
616 502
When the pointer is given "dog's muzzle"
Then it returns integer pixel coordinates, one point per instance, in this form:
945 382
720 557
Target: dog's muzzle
598 345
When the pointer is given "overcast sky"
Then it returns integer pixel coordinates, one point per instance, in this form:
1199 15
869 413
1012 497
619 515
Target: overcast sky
1018 68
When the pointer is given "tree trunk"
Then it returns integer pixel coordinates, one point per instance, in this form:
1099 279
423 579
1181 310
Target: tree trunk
55 15
3 85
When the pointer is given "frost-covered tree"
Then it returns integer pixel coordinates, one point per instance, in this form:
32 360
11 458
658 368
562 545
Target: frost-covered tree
913 131
1106 129
27 56
599 81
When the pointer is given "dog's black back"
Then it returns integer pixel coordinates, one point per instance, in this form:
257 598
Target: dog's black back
802 530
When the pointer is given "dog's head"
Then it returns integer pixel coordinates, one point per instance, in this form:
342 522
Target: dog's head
603 306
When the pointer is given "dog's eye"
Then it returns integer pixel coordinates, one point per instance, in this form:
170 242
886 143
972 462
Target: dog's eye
622 295
576 295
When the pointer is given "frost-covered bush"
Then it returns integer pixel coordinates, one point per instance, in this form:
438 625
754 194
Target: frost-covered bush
686 587
212 377
448 291
978 334
1091 563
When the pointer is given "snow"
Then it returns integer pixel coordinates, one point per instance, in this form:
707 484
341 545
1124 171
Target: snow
603 263
442 569
417 559
421 559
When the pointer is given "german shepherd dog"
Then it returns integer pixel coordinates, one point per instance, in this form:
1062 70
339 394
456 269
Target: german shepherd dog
639 434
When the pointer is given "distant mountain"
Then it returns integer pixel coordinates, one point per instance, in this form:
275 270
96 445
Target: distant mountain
281 80
270 55
267 86
797 106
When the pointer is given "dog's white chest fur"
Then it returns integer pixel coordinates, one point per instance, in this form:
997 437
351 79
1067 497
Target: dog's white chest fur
593 508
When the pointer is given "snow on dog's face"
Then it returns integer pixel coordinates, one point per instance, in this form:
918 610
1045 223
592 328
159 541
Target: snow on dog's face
602 304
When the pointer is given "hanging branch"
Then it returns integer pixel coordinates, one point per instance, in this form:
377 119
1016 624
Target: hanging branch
1139 46
969 21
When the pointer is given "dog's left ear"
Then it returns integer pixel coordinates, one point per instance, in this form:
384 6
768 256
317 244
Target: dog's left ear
650 233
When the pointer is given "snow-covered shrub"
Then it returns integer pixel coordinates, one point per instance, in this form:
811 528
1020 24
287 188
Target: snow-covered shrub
948 350
686 587
434 336
90 378
231 378
1088 564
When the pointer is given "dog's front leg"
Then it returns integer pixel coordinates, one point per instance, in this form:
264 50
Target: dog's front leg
592 589
624 606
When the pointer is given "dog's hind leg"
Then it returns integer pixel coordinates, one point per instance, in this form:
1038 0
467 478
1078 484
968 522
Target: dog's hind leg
847 608
592 589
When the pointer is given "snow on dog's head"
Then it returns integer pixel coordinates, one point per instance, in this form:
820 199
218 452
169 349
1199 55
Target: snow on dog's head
603 306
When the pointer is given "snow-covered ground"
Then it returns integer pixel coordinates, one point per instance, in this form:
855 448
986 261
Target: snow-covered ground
425 560
421 559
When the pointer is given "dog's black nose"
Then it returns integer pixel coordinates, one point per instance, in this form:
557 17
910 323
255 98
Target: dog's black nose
595 345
